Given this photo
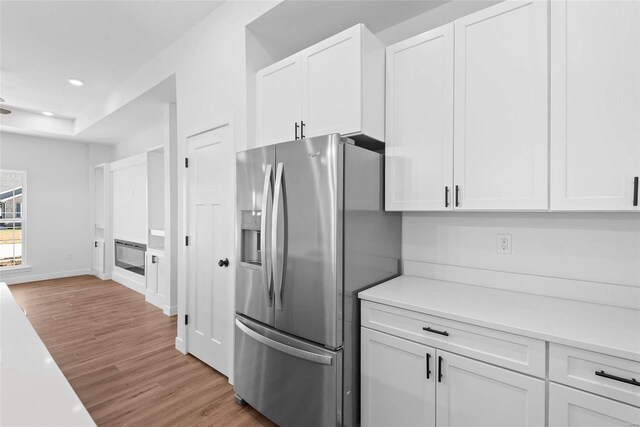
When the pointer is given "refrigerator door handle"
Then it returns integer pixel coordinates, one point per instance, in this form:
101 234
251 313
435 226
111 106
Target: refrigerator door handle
278 270
322 359
266 268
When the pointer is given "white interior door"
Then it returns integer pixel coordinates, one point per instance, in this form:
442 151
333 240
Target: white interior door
210 186
419 139
501 97
595 104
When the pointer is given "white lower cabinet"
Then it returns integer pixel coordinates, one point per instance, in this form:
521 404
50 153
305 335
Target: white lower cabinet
569 407
398 381
403 380
472 393
97 257
157 279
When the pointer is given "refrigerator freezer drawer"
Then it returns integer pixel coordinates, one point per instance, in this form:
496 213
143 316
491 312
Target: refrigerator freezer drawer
292 382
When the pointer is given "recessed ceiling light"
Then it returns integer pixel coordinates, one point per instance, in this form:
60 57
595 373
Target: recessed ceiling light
47 113
75 82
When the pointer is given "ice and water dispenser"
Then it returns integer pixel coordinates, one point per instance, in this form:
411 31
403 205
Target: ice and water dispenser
251 243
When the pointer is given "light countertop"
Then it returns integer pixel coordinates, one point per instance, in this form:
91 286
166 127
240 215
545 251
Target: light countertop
601 328
33 390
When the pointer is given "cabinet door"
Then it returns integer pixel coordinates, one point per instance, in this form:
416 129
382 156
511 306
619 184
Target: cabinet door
398 388
472 393
419 139
151 274
332 85
278 102
163 278
595 104
97 256
501 96
574 408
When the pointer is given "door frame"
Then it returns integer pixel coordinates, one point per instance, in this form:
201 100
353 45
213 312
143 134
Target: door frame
226 120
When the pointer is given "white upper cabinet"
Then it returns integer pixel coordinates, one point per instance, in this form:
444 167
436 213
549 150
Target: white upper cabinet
331 84
501 107
595 105
419 122
279 99
335 86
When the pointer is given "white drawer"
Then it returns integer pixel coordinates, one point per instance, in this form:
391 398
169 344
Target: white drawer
511 351
577 368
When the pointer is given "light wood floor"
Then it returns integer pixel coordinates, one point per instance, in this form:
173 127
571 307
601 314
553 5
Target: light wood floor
118 352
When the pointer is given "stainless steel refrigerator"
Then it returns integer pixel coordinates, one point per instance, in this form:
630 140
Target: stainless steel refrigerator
311 233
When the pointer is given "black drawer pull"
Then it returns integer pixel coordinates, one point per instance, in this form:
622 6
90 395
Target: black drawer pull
435 331
439 369
635 191
457 196
613 377
428 368
446 196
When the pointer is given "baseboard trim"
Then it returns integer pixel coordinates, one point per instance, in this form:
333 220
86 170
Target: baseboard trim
127 281
576 290
25 278
101 276
153 300
170 310
180 346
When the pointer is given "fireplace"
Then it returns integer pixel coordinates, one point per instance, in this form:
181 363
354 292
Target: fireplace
130 256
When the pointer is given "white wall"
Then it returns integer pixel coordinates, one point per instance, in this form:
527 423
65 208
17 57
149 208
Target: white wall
595 247
129 203
140 143
58 205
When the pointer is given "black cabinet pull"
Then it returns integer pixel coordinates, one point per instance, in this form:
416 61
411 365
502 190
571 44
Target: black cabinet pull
428 368
635 191
301 129
446 196
95 244
616 378
439 369
435 331
153 259
296 129
224 263
457 196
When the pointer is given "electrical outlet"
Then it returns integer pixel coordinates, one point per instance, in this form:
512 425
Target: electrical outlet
504 244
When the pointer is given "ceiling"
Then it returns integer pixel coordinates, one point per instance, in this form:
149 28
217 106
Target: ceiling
43 43
294 25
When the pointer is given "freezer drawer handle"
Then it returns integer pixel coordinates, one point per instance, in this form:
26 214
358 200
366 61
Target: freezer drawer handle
435 331
616 378
296 352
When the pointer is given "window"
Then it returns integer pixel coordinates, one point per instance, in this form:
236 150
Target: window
13 205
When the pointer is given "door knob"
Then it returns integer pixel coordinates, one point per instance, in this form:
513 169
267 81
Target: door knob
224 263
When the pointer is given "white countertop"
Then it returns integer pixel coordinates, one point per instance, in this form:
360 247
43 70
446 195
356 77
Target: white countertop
33 390
601 328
